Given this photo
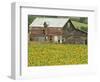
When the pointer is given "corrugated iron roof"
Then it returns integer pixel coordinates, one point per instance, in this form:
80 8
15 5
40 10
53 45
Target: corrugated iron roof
52 22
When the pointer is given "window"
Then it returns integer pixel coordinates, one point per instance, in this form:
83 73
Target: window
68 25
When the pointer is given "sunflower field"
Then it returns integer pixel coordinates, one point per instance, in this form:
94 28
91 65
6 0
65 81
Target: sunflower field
49 54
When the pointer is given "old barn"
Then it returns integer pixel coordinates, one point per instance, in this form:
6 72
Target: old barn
56 30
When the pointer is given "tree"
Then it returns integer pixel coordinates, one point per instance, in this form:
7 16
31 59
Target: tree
83 20
45 30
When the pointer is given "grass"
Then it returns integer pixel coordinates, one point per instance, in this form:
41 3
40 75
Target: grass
47 54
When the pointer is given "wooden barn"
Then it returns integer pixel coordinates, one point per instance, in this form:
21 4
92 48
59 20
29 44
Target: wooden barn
56 30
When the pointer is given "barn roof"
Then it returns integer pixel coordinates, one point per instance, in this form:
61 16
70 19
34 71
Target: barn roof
52 22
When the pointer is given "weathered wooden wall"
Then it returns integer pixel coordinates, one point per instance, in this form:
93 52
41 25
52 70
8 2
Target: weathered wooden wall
69 33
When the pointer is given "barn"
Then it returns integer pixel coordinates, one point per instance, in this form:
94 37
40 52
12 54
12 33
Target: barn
56 30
